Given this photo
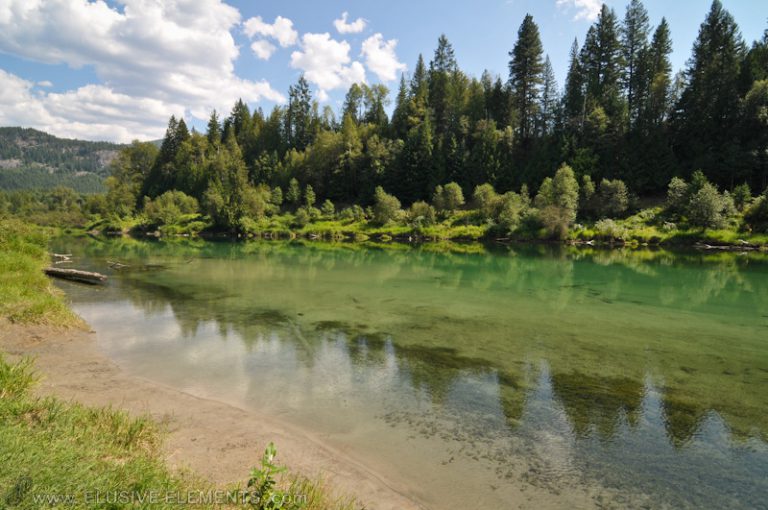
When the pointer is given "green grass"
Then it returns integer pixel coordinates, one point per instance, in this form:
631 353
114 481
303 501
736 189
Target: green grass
52 449
56 454
26 294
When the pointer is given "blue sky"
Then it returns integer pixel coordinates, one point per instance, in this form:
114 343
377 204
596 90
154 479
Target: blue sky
116 70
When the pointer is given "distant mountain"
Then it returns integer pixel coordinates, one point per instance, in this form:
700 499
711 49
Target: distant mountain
34 159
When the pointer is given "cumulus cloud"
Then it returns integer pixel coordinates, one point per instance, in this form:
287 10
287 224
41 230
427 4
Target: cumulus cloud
44 83
585 9
90 112
281 30
344 27
326 62
380 57
263 49
151 57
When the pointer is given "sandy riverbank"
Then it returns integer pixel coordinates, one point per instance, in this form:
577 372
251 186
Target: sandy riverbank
215 440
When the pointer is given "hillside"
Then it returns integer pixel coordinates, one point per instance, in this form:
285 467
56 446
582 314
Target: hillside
34 159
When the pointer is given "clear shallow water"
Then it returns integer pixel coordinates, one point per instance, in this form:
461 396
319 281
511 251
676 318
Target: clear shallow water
539 376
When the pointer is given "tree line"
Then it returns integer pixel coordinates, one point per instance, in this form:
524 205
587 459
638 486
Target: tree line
621 117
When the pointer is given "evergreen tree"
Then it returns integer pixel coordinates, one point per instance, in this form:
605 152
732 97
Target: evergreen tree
400 114
353 103
710 102
375 100
298 116
634 47
601 62
657 103
526 75
549 100
441 70
214 130
573 97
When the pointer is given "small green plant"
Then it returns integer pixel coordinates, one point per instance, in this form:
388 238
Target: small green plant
264 494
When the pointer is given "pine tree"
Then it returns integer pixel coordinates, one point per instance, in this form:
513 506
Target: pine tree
525 75
298 116
418 104
601 61
709 105
353 103
573 97
400 114
441 70
657 102
634 47
549 99
214 130
375 99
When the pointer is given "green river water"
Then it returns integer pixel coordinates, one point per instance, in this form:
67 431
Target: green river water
548 377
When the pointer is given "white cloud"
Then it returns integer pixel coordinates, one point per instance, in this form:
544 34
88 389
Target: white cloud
281 30
263 49
380 57
322 96
326 62
44 83
343 27
92 112
585 9
151 56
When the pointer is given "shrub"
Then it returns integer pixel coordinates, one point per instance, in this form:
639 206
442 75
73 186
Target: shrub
707 208
255 202
386 207
448 198
588 197
756 215
309 196
422 214
328 209
354 213
293 195
302 217
614 198
511 210
609 229
558 201
168 208
276 196
556 220
486 200
677 193
742 196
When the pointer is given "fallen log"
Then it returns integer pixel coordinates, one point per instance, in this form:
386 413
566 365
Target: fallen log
76 275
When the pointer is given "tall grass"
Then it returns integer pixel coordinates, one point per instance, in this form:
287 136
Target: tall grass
26 294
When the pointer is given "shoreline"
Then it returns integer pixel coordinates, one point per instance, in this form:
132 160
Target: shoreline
214 440
701 243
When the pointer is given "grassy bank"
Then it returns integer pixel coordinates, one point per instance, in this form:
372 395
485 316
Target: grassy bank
26 294
56 454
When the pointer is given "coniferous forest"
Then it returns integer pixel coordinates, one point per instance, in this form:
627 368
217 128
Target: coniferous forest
622 133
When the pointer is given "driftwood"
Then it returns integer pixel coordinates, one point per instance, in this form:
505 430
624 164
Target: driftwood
76 275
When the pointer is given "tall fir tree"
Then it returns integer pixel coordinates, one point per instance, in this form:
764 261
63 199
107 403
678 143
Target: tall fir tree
634 48
550 99
573 96
400 113
441 71
602 64
709 106
298 116
526 69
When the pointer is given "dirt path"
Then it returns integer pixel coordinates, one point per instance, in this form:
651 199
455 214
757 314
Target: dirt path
215 440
